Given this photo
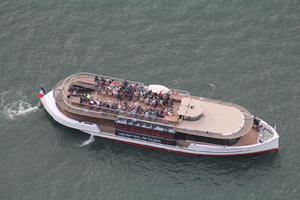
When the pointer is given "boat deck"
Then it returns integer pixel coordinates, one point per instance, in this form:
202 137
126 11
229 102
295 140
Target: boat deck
219 120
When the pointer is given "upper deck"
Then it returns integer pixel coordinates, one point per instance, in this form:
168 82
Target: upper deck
110 98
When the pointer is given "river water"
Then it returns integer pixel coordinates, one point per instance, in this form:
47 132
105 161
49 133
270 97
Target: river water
245 52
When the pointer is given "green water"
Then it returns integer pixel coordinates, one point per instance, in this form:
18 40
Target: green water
246 52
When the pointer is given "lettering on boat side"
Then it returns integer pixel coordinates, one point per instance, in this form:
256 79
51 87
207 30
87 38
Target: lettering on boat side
138 137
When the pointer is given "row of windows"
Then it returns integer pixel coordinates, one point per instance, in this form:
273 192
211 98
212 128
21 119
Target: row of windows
146 137
143 124
178 135
145 131
183 136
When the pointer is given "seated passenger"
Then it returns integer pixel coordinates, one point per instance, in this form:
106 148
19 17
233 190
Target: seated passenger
82 99
115 92
114 106
87 96
97 102
119 107
147 114
92 102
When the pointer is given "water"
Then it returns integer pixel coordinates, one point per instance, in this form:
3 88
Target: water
246 52
87 142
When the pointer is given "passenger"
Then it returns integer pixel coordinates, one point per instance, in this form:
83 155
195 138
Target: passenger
170 112
81 99
161 103
160 114
256 121
147 114
139 109
102 81
146 100
133 111
153 103
115 92
119 107
92 102
114 106
136 94
88 96
97 102
97 85
125 84
119 96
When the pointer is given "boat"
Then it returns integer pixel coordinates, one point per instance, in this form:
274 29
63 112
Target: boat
157 117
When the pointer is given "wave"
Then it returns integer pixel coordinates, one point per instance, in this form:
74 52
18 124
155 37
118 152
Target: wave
11 109
87 142
213 86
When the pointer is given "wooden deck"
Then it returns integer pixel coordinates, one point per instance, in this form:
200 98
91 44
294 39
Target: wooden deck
110 99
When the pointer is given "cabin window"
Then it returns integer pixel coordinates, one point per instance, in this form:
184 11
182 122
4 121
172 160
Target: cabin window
183 136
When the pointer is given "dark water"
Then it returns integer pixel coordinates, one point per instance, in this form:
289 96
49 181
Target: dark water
246 52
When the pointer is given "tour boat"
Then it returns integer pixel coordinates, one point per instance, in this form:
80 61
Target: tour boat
157 117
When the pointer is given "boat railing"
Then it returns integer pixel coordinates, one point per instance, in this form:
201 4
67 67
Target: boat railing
92 76
177 93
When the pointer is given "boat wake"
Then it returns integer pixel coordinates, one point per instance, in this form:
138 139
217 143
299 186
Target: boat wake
87 142
11 109
213 86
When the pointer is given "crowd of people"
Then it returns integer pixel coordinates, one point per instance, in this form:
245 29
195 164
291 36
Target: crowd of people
158 105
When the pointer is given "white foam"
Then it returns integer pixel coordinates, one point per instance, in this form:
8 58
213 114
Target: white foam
11 109
87 142
213 86
18 108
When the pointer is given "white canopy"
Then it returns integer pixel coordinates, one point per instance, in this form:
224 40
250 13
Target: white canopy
158 89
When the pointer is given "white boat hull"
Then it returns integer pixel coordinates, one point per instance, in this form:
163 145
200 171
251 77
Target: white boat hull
270 145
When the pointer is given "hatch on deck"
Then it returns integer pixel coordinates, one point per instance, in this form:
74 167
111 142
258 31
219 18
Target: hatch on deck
190 109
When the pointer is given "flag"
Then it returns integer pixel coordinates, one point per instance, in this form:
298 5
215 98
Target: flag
41 93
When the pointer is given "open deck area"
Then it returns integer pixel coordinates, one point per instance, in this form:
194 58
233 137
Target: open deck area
161 108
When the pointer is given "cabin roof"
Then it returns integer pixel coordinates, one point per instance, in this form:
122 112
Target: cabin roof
218 119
